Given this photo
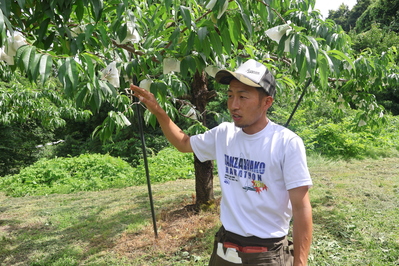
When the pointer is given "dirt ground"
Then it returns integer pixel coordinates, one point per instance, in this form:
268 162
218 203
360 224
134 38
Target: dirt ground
181 229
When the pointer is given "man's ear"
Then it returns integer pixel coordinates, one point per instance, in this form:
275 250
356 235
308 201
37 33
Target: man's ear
268 101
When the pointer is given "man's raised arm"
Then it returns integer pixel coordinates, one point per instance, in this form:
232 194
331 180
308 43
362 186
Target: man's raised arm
172 132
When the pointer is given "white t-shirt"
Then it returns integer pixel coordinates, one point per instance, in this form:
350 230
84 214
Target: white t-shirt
255 171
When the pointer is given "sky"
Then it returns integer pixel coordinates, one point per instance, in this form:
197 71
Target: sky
325 5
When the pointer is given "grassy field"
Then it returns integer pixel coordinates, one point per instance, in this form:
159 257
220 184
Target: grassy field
355 210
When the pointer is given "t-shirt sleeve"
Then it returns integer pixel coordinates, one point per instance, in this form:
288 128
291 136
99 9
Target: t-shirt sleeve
204 145
295 169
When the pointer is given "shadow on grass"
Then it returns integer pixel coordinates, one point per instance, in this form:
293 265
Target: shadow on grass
100 228
76 232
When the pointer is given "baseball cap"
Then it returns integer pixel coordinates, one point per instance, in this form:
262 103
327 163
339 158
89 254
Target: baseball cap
251 73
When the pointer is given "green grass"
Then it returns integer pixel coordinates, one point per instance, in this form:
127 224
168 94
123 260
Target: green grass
355 210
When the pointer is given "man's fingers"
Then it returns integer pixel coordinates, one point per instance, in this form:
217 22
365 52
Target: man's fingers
140 93
137 91
135 88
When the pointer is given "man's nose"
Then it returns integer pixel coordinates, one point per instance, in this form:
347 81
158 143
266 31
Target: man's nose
234 103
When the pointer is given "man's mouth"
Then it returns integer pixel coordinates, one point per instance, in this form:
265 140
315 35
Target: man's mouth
236 117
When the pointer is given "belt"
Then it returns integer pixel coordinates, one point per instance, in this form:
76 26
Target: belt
248 249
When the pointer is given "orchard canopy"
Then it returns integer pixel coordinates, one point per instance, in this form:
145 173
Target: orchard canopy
97 48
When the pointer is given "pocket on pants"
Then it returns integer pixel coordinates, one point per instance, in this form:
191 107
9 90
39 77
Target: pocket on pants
268 258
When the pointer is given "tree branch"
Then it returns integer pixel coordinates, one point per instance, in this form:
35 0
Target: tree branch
128 48
274 10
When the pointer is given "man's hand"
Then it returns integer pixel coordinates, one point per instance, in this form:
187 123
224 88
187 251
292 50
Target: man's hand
146 98
172 132
302 228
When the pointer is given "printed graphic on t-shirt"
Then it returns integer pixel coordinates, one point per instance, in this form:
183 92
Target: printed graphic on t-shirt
249 172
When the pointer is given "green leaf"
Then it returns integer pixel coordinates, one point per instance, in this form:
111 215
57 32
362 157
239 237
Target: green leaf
124 119
300 57
270 12
64 79
294 45
83 95
190 43
314 43
120 9
205 48
168 4
19 58
233 31
97 8
263 13
49 40
188 63
122 32
185 12
25 56
226 41
107 89
1 21
247 23
159 89
323 70
250 50
202 33
340 55
330 62
34 66
71 71
6 7
89 32
43 29
103 35
312 61
216 44
46 62
150 118
108 128
281 44
175 36
87 58
68 76
96 100
304 68
79 10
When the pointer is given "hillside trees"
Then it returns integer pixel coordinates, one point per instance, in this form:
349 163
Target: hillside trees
347 17
372 27
96 48
382 12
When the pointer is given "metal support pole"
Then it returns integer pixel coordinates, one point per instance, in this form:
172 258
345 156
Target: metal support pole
140 121
299 101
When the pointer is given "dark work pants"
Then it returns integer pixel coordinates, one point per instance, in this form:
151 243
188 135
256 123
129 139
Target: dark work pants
280 251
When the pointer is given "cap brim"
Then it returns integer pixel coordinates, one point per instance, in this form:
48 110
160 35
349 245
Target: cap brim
225 77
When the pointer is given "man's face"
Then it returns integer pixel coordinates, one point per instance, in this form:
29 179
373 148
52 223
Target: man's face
247 108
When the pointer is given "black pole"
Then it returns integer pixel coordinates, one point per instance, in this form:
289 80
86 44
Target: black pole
299 101
140 120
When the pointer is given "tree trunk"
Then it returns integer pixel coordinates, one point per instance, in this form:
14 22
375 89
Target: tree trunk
203 171
203 182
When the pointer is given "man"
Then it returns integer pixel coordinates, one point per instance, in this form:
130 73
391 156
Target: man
262 169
